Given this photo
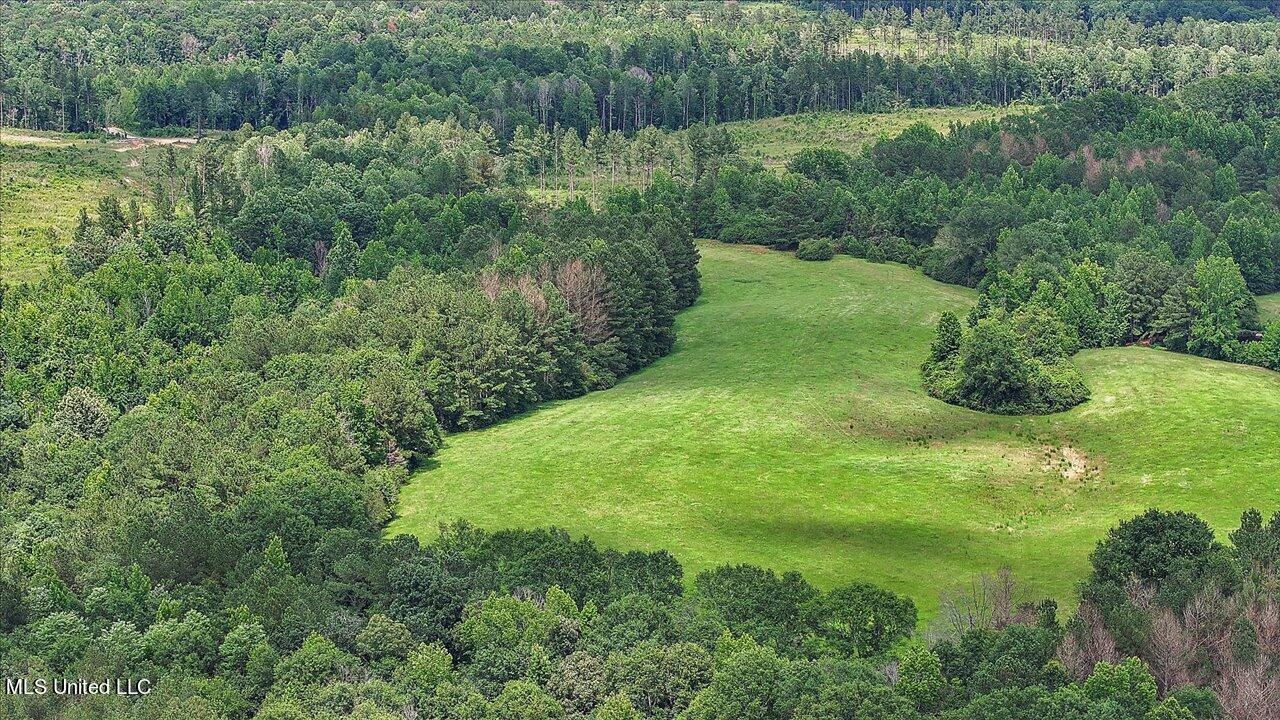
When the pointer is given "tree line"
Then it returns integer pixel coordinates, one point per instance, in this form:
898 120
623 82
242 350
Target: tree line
199 66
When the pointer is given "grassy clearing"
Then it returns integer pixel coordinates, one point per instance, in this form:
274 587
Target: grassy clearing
45 179
1269 305
788 429
774 141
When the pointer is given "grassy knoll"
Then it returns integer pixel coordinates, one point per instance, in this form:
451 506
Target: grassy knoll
773 141
1269 305
788 428
45 179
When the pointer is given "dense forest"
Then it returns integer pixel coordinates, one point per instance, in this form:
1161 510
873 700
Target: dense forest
208 408
202 65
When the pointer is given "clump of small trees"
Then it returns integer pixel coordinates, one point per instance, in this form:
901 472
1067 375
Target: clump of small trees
819 249
996 365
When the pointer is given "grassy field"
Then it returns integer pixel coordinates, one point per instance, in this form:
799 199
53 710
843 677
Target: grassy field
773 141
1269 305
788 428
45 179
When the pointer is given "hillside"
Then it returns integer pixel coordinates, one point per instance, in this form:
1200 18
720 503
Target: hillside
788 429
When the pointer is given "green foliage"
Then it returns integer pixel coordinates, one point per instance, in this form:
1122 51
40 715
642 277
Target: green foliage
920 678
1128 685
1218 300
998 369
225 396
1150 546
946 340
860 620
816 249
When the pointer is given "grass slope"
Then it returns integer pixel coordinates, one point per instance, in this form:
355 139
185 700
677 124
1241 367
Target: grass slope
773 141
1269 307
788 429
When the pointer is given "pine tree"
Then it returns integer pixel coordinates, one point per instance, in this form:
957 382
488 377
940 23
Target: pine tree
89 247
110 218
1218 300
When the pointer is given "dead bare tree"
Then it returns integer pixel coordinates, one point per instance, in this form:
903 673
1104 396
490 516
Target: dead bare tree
1250 692
1088 643
586 294
1171 653
988 602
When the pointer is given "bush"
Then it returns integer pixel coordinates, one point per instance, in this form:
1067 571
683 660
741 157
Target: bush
853 245
816 249
875 253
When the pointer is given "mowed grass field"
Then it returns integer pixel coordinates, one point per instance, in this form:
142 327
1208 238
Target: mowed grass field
788 429
774 141
1269 307
45 178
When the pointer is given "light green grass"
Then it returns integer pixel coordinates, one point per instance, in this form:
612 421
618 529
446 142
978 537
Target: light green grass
774 141
45 178
1269 307
788 428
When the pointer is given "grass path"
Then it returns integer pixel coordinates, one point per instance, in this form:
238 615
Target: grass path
788 429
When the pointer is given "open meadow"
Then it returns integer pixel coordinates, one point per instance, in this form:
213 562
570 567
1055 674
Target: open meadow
788 428
1269 307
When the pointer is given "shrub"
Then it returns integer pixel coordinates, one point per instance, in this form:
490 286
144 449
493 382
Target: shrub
875 253
816 249
853 245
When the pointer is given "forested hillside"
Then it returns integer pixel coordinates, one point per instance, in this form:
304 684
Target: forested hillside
579 65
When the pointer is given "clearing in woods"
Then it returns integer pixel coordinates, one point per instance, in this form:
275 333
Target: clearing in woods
45 178
774 141
788 429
